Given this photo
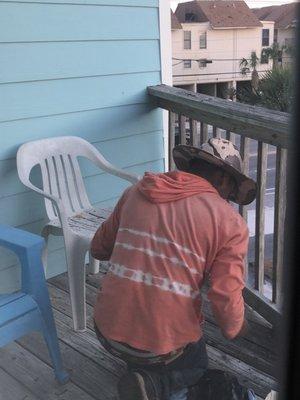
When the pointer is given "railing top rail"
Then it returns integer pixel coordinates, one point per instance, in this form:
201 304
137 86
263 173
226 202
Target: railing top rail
268 126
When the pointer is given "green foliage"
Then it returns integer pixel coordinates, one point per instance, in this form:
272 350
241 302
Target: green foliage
246 65
275 90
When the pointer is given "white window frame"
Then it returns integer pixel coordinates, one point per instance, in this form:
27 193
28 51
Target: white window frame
187 64
203 35
187 42
262 39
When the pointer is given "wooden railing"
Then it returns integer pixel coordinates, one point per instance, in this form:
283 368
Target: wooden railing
193 118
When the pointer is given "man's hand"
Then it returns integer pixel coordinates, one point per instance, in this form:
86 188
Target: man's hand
243 330
241 333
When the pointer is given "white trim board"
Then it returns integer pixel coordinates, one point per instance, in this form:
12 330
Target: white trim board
166 63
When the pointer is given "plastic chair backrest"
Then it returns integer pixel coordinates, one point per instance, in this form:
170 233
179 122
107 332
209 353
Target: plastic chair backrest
60 170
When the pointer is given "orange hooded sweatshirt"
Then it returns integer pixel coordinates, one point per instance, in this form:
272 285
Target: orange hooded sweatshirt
165 235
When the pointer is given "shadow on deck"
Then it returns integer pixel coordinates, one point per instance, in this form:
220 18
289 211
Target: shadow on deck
24 365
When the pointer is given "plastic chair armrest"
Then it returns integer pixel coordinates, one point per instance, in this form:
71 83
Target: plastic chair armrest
18 240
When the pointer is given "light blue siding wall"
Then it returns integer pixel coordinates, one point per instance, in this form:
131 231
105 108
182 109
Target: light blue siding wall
76 67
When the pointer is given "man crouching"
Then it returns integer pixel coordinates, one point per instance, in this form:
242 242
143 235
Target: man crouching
166 235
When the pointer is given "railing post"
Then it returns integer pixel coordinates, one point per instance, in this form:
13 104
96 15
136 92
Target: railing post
171 139
260 216
204 132
244 151
182 128
216 132
279 215
193 132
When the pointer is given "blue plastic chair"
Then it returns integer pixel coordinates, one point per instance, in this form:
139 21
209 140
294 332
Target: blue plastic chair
30 309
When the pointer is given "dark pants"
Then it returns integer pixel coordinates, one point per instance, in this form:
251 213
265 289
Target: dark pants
183 372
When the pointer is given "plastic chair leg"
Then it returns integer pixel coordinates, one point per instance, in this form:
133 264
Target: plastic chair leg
50 336
93 265
45 233
76 274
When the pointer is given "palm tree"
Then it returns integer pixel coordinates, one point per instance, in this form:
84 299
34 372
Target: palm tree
275 90
274 53
247 64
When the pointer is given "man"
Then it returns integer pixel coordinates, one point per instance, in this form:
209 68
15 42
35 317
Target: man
166 235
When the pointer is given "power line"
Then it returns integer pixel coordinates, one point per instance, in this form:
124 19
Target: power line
218 59
219 73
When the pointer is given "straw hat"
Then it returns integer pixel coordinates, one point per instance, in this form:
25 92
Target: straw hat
223 154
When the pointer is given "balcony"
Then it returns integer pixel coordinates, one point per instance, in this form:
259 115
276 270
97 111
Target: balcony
262 136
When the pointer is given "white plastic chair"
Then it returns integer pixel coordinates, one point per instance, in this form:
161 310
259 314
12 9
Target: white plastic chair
68 208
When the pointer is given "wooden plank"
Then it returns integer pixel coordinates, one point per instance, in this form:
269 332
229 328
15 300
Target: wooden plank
279 216
203 132
171 139
193 132
216 132
240 348
182 129
262 158
84 343
260 333
196 133
258 123
90 376
248 376
37 376
263 306
244 152
11 389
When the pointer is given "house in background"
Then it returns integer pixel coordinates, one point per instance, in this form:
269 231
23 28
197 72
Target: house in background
215 36
72 68
285 17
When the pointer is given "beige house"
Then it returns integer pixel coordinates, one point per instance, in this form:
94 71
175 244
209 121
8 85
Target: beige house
285 17
209 38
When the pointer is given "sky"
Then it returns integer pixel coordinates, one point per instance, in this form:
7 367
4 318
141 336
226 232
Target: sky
251 3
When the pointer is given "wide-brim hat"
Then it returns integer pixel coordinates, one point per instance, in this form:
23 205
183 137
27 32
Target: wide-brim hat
223 154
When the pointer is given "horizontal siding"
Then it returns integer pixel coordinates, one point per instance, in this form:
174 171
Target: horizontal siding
43 61
126 3
42 22
43 98
93 125
76 68
136 149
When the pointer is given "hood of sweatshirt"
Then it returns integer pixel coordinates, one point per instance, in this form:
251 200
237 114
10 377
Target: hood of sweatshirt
172 186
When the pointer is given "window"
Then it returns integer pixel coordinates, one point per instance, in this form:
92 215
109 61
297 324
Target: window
264 59
187 40
202 64
265 37
190 17
275 35
203 42
187 64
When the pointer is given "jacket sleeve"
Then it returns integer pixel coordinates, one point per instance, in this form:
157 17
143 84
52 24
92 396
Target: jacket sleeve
104 239
227 282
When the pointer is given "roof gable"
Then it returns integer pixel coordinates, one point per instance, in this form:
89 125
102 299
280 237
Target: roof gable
284 15
220 14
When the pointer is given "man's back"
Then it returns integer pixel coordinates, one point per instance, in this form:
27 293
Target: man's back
166 234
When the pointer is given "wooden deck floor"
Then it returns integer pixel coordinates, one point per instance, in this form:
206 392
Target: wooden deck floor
25 372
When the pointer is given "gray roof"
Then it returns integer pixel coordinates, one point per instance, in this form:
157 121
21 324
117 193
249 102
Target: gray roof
220 14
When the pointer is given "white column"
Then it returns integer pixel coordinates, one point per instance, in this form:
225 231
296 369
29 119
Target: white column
166 64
